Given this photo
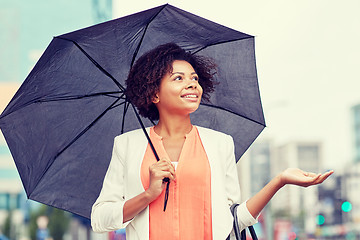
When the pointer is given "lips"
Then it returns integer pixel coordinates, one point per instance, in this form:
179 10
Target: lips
189 95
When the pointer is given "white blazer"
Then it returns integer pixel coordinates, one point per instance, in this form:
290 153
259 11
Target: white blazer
123 182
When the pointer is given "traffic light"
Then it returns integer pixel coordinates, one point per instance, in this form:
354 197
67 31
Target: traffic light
346 206
320 219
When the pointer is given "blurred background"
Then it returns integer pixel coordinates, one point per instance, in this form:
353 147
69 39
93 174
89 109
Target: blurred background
308 60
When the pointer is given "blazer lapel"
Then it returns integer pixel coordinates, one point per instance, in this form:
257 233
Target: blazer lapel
137 144
221 215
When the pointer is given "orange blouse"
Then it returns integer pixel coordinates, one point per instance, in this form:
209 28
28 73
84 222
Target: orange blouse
188 211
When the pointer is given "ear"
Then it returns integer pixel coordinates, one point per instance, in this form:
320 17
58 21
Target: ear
156 99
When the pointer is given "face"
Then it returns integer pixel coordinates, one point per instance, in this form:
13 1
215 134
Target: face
180 92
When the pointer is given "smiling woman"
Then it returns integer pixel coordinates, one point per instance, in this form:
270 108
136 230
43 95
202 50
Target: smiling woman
180 92
167 84
144 79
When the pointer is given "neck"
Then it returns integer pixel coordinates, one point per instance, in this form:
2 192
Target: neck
173 127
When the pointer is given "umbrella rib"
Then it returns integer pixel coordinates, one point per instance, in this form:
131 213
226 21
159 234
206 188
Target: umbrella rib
76 138
222 42
108 94
94 62
142 37
117 105
227 110
146 134
152 122
126 106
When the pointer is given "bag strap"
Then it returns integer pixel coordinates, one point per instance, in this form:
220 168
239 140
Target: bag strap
240 235
252 233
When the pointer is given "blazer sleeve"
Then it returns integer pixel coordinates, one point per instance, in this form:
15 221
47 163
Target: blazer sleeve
107 211
233 188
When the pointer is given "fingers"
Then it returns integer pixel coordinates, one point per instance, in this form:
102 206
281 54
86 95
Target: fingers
158 172
319 178
324 176
163 169
305 179
168 167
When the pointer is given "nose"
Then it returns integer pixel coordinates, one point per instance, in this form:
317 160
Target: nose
191 84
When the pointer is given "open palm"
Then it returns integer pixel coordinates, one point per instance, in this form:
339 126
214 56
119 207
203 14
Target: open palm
299 177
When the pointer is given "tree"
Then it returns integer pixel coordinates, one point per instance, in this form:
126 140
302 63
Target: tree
7 225
33 217
58 222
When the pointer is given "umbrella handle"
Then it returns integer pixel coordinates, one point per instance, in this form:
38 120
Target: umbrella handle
167 180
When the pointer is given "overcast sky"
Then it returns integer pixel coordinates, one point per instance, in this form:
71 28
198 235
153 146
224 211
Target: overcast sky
308 64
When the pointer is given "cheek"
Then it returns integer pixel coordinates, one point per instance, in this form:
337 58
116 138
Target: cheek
200 89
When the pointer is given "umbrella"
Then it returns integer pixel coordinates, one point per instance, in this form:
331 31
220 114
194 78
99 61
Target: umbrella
61 123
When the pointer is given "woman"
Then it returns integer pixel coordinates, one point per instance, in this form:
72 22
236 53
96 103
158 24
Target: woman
167 84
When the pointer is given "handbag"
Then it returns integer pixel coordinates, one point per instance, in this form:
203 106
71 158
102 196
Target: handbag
240 235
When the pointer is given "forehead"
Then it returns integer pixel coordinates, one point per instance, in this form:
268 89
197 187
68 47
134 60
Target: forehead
181 66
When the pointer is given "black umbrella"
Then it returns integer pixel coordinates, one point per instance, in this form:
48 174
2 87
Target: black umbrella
61 123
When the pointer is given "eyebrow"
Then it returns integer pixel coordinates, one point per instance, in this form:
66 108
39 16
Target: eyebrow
181 73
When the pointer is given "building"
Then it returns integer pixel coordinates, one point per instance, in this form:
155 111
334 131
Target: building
254 173
293 210
356 131
292 202
350 202
12 197
27 27
351 183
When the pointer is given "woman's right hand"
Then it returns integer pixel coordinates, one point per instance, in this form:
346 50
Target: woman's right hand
158 171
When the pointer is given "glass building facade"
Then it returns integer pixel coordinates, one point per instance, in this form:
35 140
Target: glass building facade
356 131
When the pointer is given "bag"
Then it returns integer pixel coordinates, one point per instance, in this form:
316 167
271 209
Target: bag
242 235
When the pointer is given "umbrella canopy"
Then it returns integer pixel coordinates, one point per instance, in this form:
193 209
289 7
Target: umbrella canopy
61 123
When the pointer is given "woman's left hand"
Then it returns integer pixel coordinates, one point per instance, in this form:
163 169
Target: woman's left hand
301 178
292 176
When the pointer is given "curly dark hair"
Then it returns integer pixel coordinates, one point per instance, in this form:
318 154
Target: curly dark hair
144 79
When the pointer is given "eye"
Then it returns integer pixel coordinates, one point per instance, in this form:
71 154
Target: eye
195 78
178 78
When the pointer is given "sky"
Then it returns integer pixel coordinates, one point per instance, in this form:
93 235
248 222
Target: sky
307 59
